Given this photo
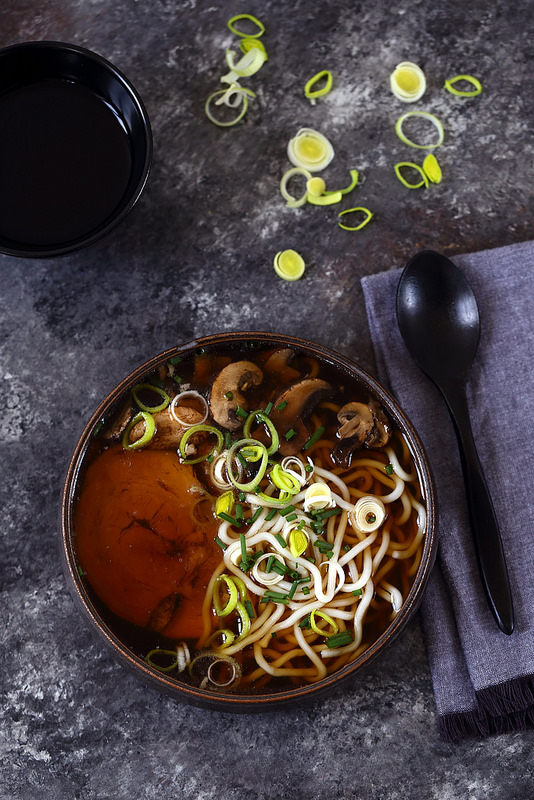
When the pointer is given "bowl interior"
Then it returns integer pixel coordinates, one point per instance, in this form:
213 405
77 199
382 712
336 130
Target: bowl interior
75 148
118 636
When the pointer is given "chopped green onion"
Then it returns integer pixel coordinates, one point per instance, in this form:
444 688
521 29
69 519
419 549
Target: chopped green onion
290 433
328 619
255 21
249 42
241 412
314 438
255 516
362 224
271 514
354 175
357 592
324 199
294 202
229 395
408 82
231 589
424 115
449 85
164 397
289 265
285 511
235 452
340 639
310 149
389 469
191 432
409 164
293 589
148 434
284 480
312 93
228 518
431 168
221 544
261 417
280 539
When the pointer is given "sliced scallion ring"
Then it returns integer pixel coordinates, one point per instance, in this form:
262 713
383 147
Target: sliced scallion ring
294 201
223 608
261 418
323 77
250 18
315 186
224 98
298 541
410 165
408 82
424 115
148 434
318 495
232 455
244 620
248 43
289 265
149 387
318 613
325 199
358 210
310 149
182 449
283 480
249 63
354 175
450 86
431 168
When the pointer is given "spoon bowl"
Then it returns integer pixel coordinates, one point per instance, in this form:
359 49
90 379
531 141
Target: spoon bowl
438 318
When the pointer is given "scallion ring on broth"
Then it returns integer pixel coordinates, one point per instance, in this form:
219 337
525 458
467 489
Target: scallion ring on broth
233 455
149 429
190 432
259 417
149 388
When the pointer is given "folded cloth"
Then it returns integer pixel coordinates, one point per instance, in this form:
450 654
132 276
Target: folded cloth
483 679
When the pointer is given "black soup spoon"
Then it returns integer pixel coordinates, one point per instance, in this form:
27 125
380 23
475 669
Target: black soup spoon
439 321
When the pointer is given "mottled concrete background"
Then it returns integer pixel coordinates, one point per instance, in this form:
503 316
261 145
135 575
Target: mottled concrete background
194 258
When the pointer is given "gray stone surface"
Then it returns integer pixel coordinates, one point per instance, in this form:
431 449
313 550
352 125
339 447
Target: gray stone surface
194 257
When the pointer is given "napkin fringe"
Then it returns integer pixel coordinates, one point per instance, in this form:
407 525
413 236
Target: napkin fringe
507 698
468 724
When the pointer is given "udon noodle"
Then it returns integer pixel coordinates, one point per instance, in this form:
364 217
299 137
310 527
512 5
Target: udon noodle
270 550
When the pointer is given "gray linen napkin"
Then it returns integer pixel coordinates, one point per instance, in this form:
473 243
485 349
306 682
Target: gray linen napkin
483 679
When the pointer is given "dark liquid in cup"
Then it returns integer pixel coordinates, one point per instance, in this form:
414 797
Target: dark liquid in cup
65 162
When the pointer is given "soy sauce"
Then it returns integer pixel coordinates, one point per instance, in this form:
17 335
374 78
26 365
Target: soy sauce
65 162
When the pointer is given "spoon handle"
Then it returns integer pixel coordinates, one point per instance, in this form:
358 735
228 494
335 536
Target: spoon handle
487 538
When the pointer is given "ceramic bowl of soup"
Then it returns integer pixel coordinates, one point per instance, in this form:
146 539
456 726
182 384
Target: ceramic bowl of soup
75 148
248 521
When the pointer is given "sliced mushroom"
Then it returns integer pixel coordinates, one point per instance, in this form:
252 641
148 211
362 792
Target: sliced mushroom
381 433
118 426
228 392
297 403
361 425
168 430
278 366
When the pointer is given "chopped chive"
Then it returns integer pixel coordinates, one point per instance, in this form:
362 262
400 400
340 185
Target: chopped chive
339 639
294 587
357 592
239 512
285 511
242 460
175 360
241 412
250 609
271 514
243 542
291 517
241 496
269 565
290 433
254 517
389 469
227 440
301 524
280 539
332 512
177 379
346 548
305 590
293 574
280 568
221 544
81 571
281 405
268 408
229 395
308 468
228 518
209 458
314 438
305 621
